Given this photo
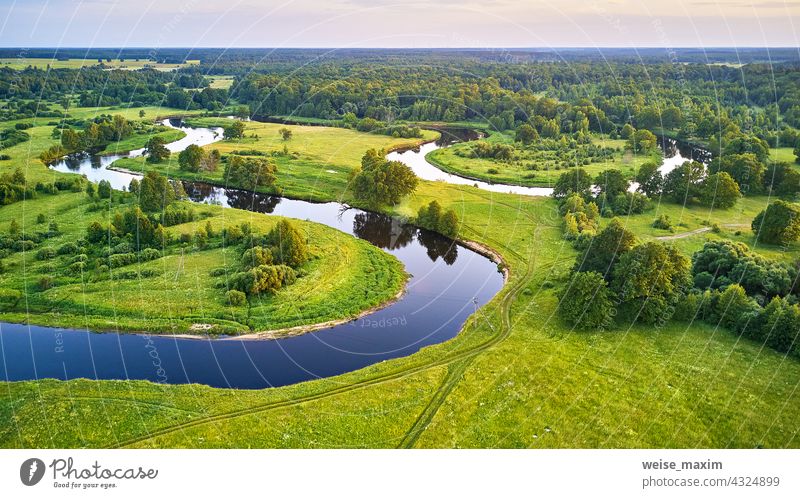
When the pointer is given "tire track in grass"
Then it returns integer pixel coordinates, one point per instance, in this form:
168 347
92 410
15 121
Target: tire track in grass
500 336
467 354
454 373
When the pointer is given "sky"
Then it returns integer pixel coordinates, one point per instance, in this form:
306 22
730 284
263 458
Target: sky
399 23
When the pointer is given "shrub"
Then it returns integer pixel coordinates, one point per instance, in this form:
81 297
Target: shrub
76 268
778 224
118 260
235 297
10 297
45 253
45 283
217 272
149 254
68 248
289 246
662 222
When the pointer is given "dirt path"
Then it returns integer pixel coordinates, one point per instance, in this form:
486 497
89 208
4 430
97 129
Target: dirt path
698 230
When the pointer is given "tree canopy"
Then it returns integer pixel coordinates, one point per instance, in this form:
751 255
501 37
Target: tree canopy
383 182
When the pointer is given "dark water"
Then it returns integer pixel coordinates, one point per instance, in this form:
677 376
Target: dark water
687 152
448 282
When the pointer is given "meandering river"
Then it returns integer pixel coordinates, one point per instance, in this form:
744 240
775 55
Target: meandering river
674 154
448 283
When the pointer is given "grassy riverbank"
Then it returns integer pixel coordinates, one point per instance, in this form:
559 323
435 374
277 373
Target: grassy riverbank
315 165
514 377
531 167
344 277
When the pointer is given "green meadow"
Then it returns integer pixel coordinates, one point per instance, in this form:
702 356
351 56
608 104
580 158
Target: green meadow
532 168
516 375
128 64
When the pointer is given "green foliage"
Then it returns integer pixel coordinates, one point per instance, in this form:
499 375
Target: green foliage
649 281
256 256
266 279
642 141
104 189
140 228
10 138
779 223
434 218
286 134
586 302
580 218
783 180
382 182
191 158
649 179
526 134
745 169
683 184
746 144
722 263
234 131
46 283
627 131
489 150
663 222
719 190
250 173
574 181
289 245
14 188
603 251
156 150
235 297
53 154
95 232
612 183
177 214
155 192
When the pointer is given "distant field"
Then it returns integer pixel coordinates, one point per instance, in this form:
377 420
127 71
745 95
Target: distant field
783 154
22 63
223 82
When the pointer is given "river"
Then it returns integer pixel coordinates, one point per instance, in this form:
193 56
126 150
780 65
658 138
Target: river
448 283
674 154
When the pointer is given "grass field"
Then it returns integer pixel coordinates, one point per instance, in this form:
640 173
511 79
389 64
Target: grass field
783 154
130 64
318 163
531 168
344 277
26 155
515 376
223 82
